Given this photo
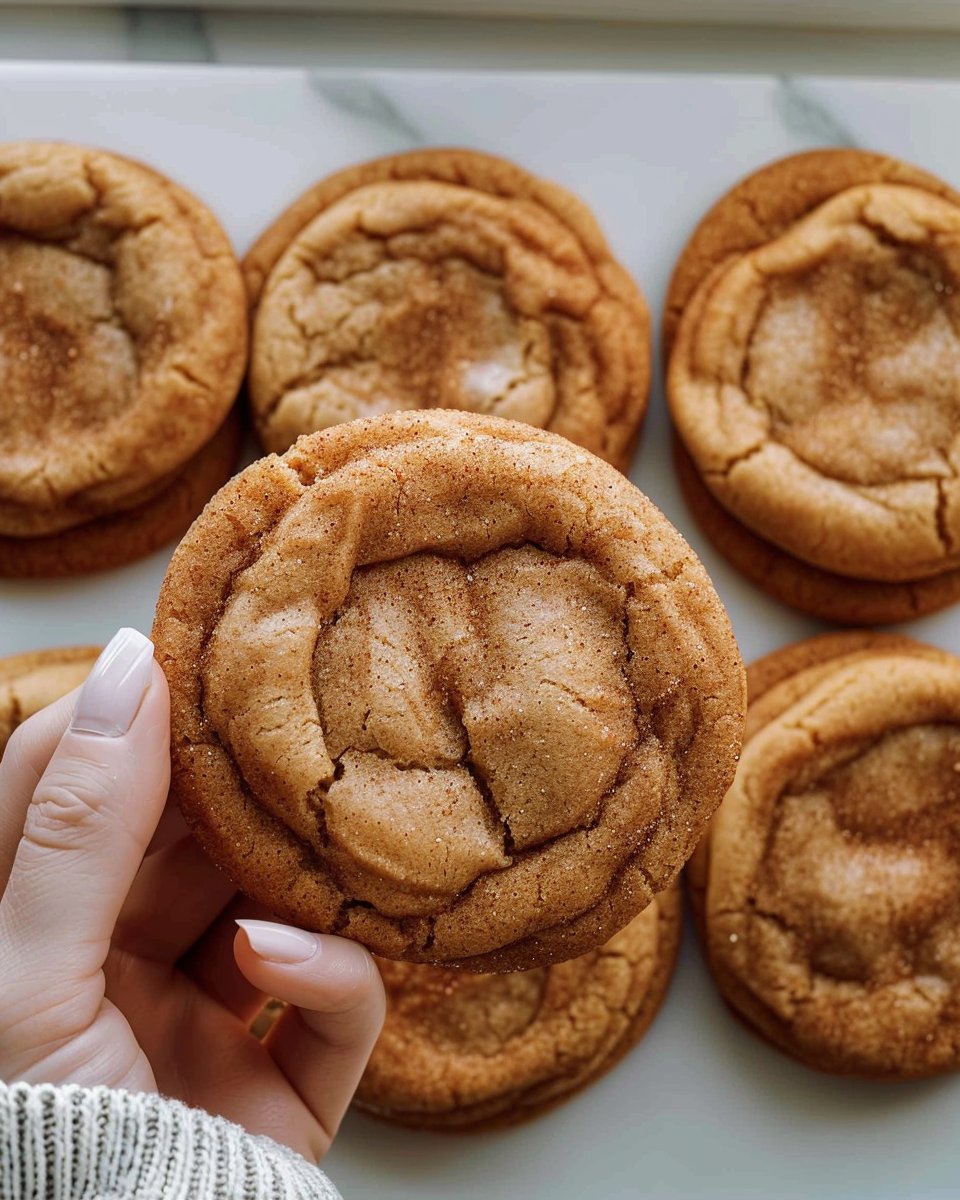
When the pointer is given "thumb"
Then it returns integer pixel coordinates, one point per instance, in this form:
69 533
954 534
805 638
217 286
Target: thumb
88 823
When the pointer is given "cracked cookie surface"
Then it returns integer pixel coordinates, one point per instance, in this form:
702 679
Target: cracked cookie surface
812 381
122 334
462 1051
448 685
445 279
31 681
827 888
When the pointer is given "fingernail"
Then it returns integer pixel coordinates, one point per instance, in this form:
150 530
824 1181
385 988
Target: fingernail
111 696
279 943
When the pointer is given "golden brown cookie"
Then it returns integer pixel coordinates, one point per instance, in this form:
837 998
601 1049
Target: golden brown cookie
466 1052
122 537
122 334
448 685
798 665
795 667
767 203
828 888
445 279
822 594
812 385
29 682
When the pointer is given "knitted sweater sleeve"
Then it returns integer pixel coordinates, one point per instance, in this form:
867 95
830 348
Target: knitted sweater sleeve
73 1143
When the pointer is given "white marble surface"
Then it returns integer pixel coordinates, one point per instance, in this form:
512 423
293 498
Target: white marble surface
700 1109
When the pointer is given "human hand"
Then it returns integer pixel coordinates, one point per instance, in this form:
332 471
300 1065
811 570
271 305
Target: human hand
120 959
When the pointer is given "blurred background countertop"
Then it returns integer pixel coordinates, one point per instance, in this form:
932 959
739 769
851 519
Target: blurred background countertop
832 37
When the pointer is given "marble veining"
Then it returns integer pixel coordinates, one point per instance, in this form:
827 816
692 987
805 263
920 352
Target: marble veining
807 117
361 97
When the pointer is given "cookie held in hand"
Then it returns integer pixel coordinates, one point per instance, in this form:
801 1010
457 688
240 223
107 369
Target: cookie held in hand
448 685
445 279
827 889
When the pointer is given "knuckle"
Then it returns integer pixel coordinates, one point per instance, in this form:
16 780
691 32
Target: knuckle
69 799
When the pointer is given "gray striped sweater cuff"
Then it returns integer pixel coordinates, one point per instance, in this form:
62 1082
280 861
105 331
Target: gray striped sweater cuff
73 1143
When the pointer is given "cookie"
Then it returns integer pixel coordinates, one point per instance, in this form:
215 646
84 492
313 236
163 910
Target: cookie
777 679
822 594
767 203
796 666
29 682
448 685
122 537
827 891
466 1052
445 279
810 377
122 334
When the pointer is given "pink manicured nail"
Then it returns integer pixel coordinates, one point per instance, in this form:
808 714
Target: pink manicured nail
111 696
279 943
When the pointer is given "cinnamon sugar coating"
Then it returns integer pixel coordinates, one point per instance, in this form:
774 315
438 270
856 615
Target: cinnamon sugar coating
813 328
122 334
829 887
445 279
449 685
465 1052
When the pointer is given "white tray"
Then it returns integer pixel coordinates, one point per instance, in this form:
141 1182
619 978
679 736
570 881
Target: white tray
700 1108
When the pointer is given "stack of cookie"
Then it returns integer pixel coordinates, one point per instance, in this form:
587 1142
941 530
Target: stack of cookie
813 332
122 347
